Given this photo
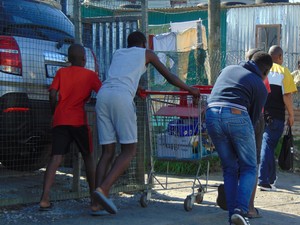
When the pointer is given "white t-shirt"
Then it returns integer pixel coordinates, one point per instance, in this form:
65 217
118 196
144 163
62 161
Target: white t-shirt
126 69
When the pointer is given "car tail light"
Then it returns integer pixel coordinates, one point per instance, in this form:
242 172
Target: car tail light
16 109
96 63
10 56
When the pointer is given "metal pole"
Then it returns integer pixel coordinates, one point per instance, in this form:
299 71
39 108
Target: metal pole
144 25
78 39
214 44
77 21
142 132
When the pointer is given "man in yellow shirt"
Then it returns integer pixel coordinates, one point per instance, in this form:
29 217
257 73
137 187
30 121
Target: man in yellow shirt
280 99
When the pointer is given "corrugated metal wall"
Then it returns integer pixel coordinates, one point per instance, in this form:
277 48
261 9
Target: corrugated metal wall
105 35
241 25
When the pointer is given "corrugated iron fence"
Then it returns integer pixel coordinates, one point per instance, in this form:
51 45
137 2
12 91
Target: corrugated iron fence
106 34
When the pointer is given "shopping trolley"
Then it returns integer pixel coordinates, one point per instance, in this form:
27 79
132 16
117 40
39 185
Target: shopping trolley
178 132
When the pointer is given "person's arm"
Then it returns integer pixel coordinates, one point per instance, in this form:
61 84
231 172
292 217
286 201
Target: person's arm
96 83
141 92
53 101
152 58
288 101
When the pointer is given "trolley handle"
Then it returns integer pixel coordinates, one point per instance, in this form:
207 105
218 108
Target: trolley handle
148 92
204 89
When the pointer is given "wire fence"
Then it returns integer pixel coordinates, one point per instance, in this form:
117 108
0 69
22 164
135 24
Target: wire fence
34 39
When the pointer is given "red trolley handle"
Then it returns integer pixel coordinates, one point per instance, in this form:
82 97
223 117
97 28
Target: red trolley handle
204 89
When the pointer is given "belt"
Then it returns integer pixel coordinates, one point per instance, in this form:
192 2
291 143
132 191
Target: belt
235 111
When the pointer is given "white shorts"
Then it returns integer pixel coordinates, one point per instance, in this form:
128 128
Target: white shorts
116 117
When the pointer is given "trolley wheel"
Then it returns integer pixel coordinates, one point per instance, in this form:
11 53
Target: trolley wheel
199 198
188 204
144 201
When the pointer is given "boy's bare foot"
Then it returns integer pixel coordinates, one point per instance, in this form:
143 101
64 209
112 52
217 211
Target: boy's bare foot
44 204
96 207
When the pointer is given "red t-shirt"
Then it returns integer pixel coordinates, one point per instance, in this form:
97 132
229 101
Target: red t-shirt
75 85
267 84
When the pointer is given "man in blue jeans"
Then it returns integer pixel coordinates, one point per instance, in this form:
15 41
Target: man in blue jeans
234 106
280 99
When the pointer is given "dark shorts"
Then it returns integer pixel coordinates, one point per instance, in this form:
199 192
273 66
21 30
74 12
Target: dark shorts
259 130
63 136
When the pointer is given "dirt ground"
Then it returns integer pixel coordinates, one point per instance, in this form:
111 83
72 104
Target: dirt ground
166 207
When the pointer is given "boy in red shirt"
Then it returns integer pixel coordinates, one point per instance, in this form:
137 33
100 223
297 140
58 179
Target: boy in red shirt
73 85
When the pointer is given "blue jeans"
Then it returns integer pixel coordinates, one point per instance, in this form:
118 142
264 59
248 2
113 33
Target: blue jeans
271 136
234 140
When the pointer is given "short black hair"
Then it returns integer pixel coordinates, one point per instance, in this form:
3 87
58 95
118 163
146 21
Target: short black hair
136 38
251 52
275 50
76 54
263 60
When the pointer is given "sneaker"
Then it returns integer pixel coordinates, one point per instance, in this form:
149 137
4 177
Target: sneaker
238 218
267 187
274 183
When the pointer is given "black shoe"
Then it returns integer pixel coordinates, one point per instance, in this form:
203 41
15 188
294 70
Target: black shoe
274 182
239 218
267 187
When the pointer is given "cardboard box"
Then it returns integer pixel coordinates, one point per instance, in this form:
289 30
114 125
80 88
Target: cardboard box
164 151
171 146
165 138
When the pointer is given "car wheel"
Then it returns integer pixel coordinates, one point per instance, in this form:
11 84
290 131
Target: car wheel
27 158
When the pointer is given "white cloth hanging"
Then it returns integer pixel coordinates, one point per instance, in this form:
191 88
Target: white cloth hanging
182 26
165 42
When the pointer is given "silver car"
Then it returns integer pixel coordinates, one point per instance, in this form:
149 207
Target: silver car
34 39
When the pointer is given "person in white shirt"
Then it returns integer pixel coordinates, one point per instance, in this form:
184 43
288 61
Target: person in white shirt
116 116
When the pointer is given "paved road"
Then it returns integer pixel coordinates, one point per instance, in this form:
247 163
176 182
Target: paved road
166 208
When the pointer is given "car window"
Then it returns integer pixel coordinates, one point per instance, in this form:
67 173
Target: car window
34 20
